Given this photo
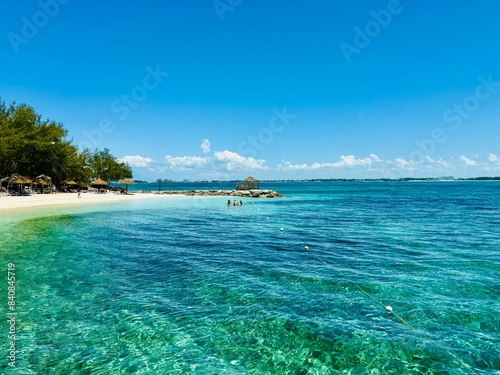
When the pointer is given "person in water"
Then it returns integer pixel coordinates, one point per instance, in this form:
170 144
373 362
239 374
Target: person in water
235 203
241 203
228 202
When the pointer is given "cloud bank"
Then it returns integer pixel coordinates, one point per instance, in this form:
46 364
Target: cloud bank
231 165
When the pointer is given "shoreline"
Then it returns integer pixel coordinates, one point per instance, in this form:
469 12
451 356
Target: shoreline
10 203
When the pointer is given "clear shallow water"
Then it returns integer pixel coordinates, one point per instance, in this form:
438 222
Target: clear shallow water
191 286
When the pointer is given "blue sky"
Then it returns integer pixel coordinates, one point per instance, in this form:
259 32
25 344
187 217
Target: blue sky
275 89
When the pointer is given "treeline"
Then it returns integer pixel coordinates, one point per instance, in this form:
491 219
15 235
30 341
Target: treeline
30 146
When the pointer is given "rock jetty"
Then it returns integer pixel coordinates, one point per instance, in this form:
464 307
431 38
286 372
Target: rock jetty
254 193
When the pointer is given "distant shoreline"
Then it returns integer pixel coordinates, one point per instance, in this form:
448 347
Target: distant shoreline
401 179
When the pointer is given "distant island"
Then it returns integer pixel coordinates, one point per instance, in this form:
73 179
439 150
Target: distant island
445 178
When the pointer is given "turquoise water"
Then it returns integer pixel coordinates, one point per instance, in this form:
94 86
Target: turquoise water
190 286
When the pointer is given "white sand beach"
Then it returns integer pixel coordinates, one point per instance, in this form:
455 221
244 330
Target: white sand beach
59 199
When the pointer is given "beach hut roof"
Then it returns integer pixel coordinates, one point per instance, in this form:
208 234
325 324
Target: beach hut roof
68 182
126 181
43 177
17 179
98 182
43 180
250 178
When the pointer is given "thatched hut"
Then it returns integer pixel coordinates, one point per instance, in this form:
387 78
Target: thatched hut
99 184
43 182
18 185
248 184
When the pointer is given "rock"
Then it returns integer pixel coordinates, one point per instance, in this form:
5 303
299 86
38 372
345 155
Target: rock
254 193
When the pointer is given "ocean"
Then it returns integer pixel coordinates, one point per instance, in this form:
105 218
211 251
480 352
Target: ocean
333 278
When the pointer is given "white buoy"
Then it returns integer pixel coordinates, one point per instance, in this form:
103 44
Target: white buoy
388 308
281 229
306 248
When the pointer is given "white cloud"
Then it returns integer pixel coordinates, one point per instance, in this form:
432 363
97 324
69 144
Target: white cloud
228 164
185 162
402 163
493 158
468 162
205 146
349 161
232 160
287 166
137 161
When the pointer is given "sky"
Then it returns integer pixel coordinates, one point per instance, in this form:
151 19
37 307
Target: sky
224 89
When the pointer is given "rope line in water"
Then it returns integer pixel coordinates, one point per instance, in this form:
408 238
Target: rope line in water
387 307
390 309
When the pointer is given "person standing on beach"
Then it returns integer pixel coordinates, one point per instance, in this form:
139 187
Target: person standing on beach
78 191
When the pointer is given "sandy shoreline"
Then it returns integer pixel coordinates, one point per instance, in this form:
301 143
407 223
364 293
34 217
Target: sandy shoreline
60 199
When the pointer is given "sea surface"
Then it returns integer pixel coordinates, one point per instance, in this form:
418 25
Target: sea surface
303 284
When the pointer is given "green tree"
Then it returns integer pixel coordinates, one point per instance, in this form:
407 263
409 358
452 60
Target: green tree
105 166
31 146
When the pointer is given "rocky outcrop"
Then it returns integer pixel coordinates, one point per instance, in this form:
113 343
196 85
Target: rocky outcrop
254 193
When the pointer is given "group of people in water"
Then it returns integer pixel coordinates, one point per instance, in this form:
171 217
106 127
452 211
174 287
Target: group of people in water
235 203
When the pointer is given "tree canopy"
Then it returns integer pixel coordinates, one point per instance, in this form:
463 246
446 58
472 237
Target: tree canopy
31 146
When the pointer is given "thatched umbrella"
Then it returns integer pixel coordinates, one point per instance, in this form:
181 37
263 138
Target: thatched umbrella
43 180
16 179
69 183
98 182
126 182
42 184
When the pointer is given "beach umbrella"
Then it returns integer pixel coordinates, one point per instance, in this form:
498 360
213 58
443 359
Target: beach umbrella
98 182
126 182
68 183
43 180
41 183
